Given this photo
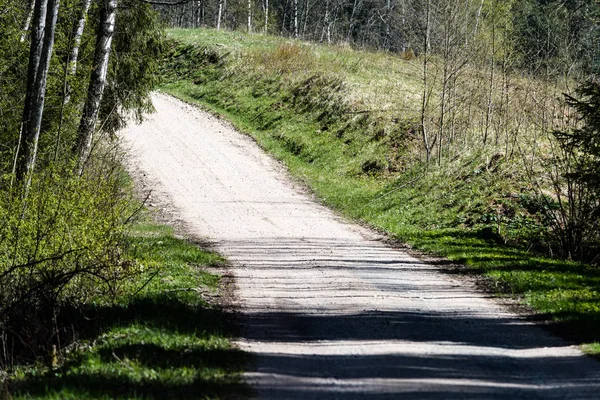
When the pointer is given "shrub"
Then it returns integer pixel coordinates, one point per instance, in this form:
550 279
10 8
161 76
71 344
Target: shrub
573 211
60 244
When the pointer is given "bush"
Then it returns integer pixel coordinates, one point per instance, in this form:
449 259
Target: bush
573 211
60 244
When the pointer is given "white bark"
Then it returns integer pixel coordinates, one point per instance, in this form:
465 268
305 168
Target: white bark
249 16
425 94
77 35
199 13
388 29
220 15
266 16
91 109
42 43
307 7
78 29
27 25
477 21
296 18
326 25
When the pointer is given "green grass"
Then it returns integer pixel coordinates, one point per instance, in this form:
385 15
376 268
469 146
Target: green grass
592 348
162 340
379 82
467 210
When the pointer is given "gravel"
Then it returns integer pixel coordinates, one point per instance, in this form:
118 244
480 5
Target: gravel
328 309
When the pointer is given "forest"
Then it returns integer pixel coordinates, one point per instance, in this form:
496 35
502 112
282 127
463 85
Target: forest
559 35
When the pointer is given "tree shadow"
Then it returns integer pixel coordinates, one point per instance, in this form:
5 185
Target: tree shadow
574 314
413 355
421 338
209 370
109 386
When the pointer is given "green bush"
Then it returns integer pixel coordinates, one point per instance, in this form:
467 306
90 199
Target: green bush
62 243
573 211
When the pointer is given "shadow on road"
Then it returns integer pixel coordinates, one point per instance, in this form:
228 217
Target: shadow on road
335 318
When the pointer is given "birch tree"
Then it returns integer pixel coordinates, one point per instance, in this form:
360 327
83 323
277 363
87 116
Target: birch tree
295 18
78 29
91 109
426 90
249 16
27 24
266 5
220 14
42 43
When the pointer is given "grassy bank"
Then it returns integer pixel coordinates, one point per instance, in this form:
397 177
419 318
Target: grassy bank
164 338
345 123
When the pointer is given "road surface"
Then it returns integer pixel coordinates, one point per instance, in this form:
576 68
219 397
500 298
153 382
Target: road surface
329 310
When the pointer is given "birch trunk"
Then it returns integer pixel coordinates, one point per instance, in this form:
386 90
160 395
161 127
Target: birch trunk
77 35
266 16
199 12
325 22
78 29
284 18
490 99
351 23
42 43
219 15
425 95
307 7
249 16
295 18
388 29
27 24
91 109
478 17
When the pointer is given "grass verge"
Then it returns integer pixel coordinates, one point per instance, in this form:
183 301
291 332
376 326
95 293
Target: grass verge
165 340
469 210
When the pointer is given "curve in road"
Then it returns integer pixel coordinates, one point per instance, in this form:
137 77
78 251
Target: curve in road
330 311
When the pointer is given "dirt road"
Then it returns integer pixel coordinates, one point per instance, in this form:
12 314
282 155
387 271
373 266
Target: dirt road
330 311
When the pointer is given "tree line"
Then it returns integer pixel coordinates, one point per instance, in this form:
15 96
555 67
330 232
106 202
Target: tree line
541 31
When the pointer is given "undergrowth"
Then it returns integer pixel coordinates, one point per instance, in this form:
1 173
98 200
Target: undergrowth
162 338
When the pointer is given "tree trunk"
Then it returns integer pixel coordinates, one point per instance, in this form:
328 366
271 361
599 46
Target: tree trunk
388 29
266 16
78 29
307 7
249 16
284 18
351 22
490 99
42 43
220 15
477 18
325 22
199 12
27 24
425 96
77 34
295 18
91 109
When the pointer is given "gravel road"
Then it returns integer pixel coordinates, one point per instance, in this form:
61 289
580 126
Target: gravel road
329 310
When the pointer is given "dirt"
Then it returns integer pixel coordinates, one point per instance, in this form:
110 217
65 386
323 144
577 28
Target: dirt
329 310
